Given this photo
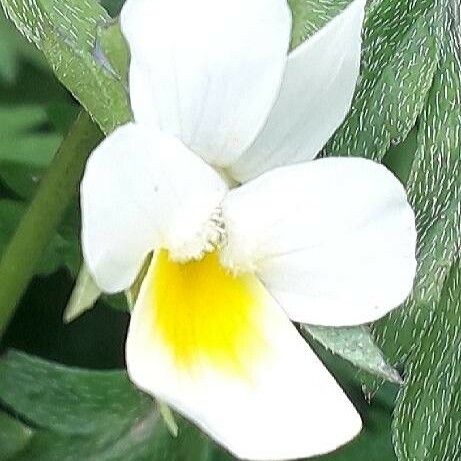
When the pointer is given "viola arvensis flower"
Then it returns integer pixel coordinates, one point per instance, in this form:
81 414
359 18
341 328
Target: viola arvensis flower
241 242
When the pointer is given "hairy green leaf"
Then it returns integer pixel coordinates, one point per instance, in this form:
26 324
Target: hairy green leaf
424 334
427 424
400 53
435 194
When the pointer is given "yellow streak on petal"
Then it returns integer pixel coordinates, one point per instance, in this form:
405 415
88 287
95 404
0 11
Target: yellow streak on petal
206 315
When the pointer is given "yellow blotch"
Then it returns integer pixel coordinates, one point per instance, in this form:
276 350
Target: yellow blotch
204 314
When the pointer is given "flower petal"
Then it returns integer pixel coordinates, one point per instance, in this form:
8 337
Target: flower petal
142 189
333 240
220 350
212 70
315 97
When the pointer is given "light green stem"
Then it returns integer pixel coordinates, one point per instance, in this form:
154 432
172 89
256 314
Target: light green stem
38 225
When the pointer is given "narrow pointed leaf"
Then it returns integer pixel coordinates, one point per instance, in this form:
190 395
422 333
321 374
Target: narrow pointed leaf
356 345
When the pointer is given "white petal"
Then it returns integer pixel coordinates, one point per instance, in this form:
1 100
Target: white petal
141 97
225 355
211 69
315 97
333 240
142 189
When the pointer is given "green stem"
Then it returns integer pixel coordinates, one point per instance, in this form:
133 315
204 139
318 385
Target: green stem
45 213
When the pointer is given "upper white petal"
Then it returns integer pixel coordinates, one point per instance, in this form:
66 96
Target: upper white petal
284 406
142 189
333 240
211 70
315 97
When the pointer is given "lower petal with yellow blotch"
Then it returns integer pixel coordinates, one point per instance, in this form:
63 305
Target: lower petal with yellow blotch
219 349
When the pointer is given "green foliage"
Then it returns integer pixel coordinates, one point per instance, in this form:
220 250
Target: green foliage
407 112
12 50
399 60
27 147
434 189
22 142
75 414
427 421
72 401
61 251
14 436
426 330
356 345
66 33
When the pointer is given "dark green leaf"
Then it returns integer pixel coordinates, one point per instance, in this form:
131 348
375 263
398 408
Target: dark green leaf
26 147
69 401
80 414
86 415
14 436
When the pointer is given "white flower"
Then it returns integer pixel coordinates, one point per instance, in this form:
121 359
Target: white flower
239 249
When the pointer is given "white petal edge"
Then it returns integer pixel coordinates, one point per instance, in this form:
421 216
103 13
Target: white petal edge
142 190
211 70
289 408
315 97
333 240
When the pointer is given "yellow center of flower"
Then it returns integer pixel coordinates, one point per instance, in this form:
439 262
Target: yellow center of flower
204 314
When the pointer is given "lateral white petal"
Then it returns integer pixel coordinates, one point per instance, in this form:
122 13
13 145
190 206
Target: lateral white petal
315 97
285 405
333 240
211 70
142 189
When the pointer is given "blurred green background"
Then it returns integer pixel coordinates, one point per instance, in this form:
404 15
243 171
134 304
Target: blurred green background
36 111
